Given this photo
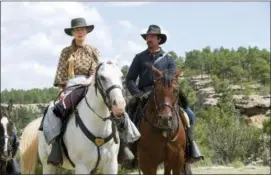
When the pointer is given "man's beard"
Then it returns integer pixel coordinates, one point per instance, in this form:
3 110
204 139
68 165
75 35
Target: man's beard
150 44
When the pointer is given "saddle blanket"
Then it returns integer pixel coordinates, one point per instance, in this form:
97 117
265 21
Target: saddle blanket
51 124
130 132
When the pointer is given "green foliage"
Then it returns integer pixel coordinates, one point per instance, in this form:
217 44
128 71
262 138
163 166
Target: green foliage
29 96
227 137
241 65
266 156
23 117
124 70
237 164
267 127
179 61
188 91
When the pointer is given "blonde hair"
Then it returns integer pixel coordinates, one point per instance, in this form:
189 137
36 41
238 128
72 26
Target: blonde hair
74 46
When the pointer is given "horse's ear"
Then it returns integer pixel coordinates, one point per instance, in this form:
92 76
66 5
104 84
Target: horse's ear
156 72
10 106
178 73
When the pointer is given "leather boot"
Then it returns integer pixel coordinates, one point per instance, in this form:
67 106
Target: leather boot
13 167
15 149
194 154
59 110
55 156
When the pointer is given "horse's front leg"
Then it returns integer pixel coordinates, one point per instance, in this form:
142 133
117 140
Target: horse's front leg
48 169
110 167
80 168
178 164
147 164
167 169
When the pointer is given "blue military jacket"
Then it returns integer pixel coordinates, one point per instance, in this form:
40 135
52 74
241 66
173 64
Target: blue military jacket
139 68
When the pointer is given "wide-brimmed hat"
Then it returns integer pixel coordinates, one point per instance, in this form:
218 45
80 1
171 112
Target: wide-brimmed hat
155 29
77 23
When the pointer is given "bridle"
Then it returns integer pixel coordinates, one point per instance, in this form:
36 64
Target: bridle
104 93
158 106
162 104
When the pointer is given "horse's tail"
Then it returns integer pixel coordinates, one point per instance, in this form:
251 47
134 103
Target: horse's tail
29 147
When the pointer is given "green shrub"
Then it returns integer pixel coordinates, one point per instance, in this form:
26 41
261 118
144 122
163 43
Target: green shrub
267 127
237 164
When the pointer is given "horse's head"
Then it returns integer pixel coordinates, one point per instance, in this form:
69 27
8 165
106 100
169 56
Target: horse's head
164 96
6 127
108 81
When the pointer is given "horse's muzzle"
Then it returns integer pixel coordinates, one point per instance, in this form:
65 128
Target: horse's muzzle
118 107
164 121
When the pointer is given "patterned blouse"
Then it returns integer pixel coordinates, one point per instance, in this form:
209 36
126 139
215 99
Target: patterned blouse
81 62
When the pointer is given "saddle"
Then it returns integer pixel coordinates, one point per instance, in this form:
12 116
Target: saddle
70 102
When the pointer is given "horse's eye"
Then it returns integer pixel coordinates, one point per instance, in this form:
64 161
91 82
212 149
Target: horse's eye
175 91
102 78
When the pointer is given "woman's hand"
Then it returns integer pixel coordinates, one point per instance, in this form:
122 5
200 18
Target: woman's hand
61 88
87 82
61 96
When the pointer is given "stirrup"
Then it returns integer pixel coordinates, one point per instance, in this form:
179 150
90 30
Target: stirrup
55 157
194 153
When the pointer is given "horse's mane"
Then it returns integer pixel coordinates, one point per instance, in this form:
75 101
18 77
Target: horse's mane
167 78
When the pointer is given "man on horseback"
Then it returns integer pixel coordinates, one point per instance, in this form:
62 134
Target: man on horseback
155 56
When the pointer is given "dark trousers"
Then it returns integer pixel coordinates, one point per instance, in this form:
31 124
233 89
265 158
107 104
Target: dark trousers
65 106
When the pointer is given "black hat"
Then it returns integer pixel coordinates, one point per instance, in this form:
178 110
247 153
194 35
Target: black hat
154 29
76 23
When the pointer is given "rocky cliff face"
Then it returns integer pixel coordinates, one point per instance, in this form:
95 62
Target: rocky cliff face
255 107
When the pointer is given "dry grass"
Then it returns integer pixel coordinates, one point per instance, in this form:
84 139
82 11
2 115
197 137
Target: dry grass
226 170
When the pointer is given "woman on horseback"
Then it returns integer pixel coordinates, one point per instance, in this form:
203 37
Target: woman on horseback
76 66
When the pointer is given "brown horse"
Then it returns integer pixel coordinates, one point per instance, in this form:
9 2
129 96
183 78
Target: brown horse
163 138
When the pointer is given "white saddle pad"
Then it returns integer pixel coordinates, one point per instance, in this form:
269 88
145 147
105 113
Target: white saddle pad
51 125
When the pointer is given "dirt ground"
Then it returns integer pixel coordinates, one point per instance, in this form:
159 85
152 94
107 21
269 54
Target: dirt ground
226 170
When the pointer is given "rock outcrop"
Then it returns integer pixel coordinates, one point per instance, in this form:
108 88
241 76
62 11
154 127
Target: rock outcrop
255 107
253 104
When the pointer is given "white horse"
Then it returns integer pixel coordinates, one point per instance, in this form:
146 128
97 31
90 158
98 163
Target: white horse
94 112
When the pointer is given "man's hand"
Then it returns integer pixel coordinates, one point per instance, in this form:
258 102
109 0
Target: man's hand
137 95
145 95
142 95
